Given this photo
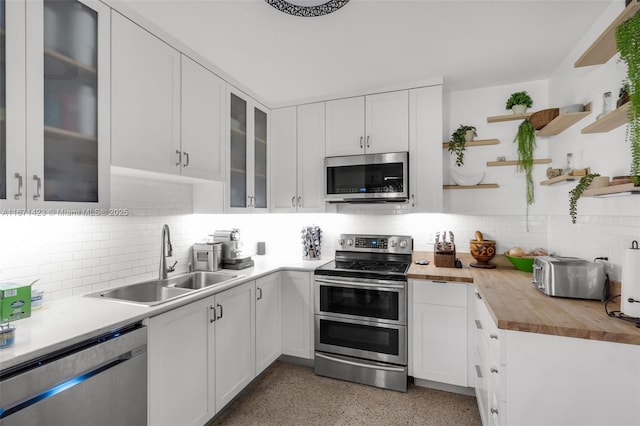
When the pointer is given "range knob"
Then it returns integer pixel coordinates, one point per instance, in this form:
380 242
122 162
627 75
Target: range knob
394 243
403 244
341 242
349 242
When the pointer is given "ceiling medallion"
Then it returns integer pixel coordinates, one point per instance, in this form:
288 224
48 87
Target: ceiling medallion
307 7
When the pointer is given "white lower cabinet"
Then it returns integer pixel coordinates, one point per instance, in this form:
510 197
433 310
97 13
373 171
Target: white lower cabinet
553 380
201 356
439 331
297 314
181 374
268 328
235 357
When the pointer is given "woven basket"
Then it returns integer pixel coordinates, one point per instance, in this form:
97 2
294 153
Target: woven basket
542 118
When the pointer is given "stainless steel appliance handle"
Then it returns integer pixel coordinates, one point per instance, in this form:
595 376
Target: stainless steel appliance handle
38 186
358 364
179 158
382 284
18 195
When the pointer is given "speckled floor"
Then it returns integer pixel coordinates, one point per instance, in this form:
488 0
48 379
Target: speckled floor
290 394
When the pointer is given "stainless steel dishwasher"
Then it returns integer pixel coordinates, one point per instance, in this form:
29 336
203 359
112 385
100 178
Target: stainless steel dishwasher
100 381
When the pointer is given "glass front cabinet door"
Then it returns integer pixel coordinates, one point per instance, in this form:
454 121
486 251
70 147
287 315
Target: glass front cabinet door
248 153
67 93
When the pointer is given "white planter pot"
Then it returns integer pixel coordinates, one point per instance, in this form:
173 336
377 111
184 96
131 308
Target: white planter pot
519 109
469 135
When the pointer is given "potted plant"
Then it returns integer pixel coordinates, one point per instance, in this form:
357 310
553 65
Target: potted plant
526 140
518 102
576 193
627 40
459 138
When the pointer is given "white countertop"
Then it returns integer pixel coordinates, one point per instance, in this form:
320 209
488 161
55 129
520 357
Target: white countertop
71 320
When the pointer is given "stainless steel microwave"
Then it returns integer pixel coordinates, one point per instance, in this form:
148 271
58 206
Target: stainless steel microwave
367 178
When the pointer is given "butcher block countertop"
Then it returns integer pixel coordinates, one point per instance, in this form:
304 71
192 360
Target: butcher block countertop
515 304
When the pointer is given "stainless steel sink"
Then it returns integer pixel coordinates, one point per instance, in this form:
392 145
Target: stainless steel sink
155 292
197 280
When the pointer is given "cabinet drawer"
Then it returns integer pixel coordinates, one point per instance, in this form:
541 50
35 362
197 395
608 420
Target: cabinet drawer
445 293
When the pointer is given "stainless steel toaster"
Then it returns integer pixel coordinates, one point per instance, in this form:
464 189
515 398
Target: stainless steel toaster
569 277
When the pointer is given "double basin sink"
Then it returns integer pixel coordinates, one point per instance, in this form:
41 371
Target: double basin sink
155 292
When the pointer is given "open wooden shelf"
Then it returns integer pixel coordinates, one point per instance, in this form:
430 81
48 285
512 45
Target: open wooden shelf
610 121
563 121
479 142
612 190
516 162
558 179
479 186
508 117
604 47
67 134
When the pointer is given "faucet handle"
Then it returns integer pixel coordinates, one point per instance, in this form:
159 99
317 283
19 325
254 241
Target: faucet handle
172 267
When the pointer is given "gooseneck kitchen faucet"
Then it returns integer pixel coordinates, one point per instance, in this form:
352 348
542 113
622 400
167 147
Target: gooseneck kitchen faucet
166 249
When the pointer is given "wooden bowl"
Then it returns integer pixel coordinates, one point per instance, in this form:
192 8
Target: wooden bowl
483 251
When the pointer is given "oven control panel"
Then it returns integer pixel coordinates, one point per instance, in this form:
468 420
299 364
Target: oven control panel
376 243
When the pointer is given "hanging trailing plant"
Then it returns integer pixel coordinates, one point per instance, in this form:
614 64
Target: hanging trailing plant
576 193
628 43
526 140
457 143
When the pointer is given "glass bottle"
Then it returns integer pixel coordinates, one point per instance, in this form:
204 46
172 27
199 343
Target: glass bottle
568 168
606 104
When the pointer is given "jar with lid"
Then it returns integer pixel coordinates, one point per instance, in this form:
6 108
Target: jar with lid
568 168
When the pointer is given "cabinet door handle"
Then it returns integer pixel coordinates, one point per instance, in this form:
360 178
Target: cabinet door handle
18 195
361 138
221 313
478 325
299 201
186 156
413 200
212 310
260 292
478 296
368 141
179 158
38 186
493 410
493 336
493 370
478 372
293 201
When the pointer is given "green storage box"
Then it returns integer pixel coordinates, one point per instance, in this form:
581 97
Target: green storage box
15 301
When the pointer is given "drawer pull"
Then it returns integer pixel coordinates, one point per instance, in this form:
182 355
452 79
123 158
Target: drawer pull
493 336
478 324
478 372
478 296
439 281
493 370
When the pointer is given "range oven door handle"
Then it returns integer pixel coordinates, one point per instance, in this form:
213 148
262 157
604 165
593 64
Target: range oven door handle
361 284
358 364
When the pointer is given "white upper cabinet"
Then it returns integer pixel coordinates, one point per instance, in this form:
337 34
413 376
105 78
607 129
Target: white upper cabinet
55 107
202 143
284 190
387 120
345 127
146 100
371 124
247 153
425 151
297 135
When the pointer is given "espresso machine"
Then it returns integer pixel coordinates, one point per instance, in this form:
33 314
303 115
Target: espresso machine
232 257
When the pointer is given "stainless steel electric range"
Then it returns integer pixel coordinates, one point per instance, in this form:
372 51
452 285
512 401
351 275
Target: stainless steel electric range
361 311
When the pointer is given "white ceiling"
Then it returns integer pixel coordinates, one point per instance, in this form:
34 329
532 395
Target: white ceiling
375 43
